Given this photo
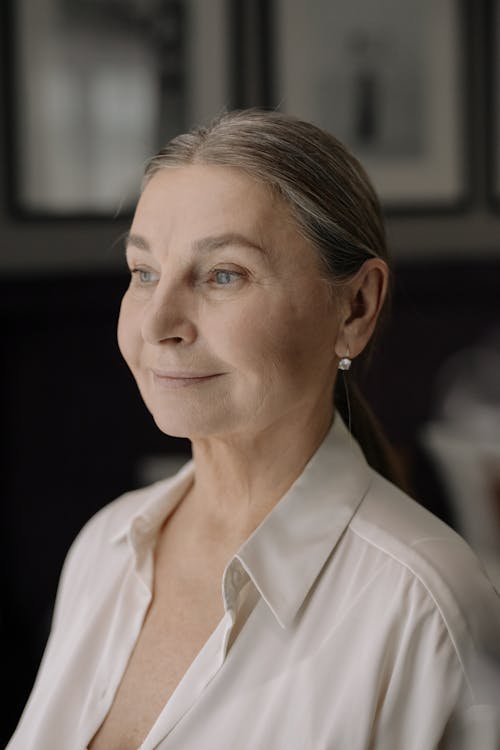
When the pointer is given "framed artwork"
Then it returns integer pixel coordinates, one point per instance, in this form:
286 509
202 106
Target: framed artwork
388 78
95 86
493 75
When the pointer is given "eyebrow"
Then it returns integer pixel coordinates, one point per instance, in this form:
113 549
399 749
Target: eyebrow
205 244
135 240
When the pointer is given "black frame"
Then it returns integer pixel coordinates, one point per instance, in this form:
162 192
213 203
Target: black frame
254 85
492 78
172 78
252 30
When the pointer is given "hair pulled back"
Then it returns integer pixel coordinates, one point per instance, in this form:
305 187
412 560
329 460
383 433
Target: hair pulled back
325 187
330 197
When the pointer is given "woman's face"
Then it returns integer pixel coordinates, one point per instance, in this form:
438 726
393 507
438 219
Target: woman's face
227 325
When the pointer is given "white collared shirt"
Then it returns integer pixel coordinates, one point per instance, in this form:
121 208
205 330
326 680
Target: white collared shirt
362 621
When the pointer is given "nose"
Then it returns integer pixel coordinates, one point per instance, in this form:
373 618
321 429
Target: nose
168 316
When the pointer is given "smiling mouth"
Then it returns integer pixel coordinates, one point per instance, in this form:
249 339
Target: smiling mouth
168 380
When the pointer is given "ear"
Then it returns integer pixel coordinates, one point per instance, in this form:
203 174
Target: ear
361 302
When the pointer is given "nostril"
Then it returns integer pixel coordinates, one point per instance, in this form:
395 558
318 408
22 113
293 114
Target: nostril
163 323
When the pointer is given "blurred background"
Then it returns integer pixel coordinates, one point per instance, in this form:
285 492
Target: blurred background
90 89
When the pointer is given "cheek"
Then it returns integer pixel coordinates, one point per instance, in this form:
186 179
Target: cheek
304 347
277 339
128 332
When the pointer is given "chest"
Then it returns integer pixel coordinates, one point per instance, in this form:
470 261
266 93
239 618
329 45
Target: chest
185 610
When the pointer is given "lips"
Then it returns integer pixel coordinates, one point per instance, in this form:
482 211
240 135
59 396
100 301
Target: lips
168 379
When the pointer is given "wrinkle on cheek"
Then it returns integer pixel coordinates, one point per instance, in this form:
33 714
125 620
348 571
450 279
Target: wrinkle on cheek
265 398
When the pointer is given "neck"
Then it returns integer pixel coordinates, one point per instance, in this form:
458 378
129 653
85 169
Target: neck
239 479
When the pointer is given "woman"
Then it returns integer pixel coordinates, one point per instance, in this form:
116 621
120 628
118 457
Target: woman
278 592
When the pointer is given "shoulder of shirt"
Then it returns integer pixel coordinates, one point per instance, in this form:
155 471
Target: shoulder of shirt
431 551
99 531
111 518
90 550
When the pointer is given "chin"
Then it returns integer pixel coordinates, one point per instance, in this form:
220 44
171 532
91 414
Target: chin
190 424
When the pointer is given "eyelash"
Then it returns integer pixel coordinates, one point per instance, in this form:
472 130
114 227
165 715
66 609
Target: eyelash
225 271
138 273
235 276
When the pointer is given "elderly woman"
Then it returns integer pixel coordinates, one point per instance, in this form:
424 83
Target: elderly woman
278 592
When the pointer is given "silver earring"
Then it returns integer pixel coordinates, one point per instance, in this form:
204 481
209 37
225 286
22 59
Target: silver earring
345 363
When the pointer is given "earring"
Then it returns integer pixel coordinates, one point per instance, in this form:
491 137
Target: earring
345 363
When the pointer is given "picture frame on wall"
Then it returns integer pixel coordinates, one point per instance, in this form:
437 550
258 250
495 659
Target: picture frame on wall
94 89
389 80
493 76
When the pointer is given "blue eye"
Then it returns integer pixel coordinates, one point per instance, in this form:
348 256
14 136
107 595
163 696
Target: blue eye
144 276
223 278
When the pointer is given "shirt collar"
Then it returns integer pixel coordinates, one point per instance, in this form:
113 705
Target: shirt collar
160 500
286 553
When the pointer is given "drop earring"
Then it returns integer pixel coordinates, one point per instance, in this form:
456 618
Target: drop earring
345 363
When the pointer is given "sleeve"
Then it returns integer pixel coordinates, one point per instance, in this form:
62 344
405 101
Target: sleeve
436 698
475 723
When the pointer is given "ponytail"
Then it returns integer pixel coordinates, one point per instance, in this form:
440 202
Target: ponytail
366 429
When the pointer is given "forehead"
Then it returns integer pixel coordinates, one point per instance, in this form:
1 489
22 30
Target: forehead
209 198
